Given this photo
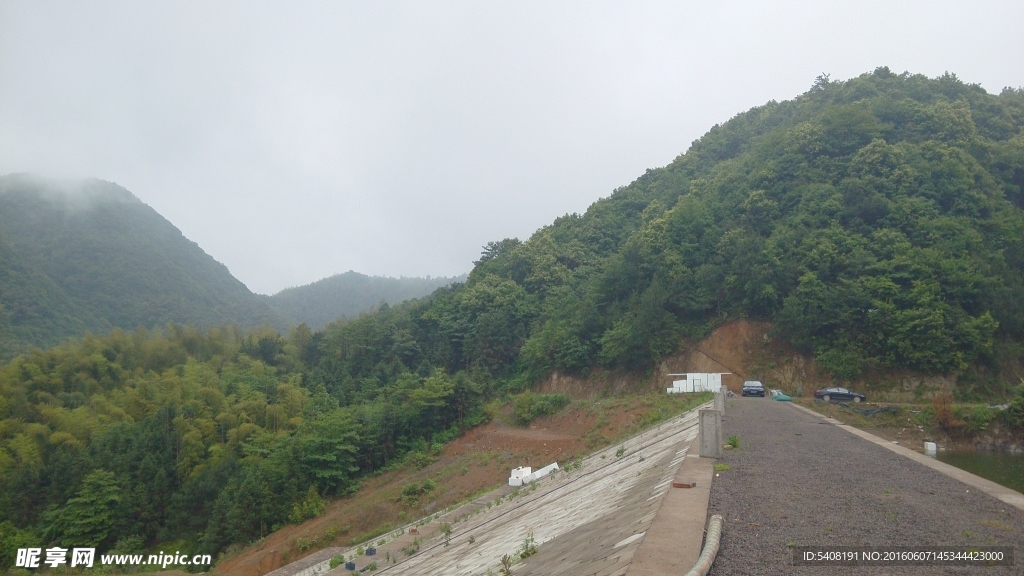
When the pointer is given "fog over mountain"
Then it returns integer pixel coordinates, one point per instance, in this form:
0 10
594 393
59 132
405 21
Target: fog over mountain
397 138
80 256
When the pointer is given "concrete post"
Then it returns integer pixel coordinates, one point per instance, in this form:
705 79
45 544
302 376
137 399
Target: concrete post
710 434
720 401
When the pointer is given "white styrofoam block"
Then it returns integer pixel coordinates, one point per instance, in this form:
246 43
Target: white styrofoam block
520 472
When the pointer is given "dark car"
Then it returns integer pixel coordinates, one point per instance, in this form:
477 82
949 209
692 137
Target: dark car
840 394
753 388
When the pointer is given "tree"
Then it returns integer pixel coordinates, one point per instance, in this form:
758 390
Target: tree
88 518
325 451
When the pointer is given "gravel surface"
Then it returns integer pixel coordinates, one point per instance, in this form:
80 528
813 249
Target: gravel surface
797 481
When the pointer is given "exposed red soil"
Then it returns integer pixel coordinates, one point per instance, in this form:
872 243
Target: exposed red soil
478 461
734 348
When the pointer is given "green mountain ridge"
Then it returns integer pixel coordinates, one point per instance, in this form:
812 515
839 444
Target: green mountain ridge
877 222
349 294
90 256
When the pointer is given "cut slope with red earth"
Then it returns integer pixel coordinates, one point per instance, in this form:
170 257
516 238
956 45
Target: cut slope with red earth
479 460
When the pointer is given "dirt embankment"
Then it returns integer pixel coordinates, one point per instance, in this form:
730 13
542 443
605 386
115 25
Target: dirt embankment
476 462
738 348
746 349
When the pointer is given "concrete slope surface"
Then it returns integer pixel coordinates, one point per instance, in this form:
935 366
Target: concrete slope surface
587 520
797 480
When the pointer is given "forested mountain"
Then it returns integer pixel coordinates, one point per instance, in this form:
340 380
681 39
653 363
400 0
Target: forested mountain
77 256
34 310
349 294
878 223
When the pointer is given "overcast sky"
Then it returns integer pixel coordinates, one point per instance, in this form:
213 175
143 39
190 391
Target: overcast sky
293 141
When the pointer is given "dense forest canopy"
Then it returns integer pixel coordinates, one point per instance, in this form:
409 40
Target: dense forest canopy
198 438
877 222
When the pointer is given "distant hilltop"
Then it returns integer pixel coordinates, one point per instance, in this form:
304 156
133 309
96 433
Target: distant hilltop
349 294
81 256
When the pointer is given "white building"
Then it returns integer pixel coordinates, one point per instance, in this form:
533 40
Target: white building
697 382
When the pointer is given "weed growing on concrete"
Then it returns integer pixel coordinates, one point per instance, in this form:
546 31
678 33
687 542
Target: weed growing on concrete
733 441
722 467
472 540
620 451
529 547
506 565
446 528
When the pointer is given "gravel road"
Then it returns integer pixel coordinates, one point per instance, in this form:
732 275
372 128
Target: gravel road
796 481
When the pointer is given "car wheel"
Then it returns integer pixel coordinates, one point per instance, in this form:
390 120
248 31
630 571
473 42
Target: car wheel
826 398
856 398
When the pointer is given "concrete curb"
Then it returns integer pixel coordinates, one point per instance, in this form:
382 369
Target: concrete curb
997 491
673 541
